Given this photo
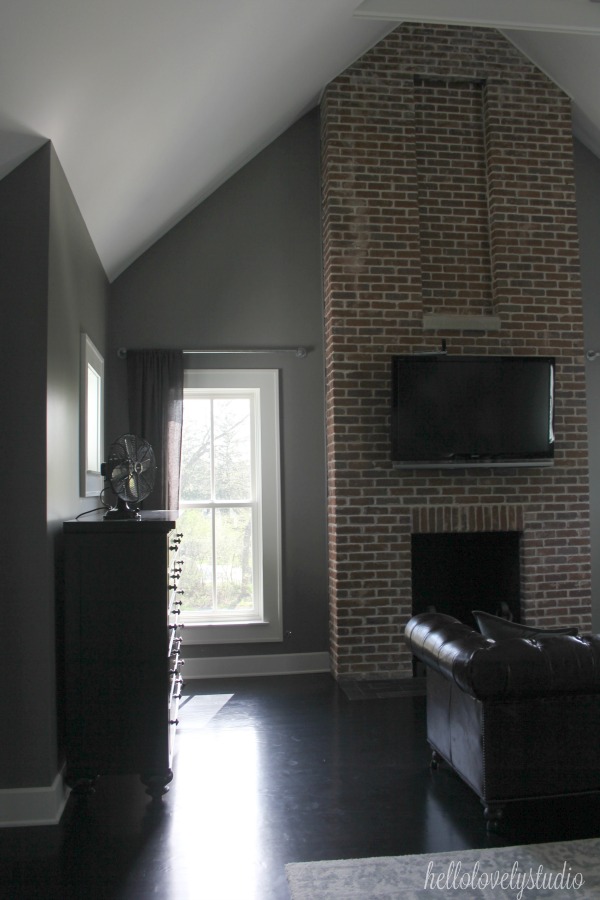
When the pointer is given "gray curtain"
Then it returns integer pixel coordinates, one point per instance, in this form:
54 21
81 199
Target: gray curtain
155 396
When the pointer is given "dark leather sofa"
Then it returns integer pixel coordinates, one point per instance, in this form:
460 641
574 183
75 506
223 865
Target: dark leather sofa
516 718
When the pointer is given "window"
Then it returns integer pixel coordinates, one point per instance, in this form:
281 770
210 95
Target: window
92 417
230 507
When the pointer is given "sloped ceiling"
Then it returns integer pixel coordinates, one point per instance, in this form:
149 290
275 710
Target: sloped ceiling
152 105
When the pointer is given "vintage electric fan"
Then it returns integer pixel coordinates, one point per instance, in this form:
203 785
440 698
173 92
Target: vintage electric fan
131 470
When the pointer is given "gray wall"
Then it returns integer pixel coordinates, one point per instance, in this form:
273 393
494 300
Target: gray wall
587 176
52 286
77 302
244 270
28 745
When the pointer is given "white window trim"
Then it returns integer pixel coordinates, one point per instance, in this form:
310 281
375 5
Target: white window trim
91 481
270 626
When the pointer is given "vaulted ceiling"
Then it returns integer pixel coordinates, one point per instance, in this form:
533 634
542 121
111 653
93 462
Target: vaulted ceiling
152 105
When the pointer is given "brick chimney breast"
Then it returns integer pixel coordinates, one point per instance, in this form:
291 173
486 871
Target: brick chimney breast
448 213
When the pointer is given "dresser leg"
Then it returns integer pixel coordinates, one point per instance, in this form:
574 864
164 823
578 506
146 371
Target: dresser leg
156 782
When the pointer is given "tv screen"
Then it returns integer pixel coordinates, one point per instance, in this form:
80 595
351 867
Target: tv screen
472 410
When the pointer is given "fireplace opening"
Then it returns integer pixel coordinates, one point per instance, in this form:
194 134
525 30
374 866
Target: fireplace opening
455 573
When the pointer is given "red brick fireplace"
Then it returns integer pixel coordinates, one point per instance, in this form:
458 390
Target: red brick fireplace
448 213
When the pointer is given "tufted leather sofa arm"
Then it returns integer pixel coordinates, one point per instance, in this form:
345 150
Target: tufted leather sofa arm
547 664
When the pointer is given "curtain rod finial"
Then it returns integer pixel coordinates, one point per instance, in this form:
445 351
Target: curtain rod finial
122 352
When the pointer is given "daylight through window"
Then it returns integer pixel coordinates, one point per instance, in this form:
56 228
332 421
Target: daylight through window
229 501
218 494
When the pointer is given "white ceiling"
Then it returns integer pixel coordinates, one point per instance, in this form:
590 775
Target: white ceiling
151 105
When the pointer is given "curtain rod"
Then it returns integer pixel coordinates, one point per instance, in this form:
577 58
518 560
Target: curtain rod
299 352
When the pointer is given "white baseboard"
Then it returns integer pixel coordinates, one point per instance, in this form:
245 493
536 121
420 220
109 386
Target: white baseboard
237 666
33 805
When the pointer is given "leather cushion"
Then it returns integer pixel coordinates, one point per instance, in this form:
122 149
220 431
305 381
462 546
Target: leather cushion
497 629
539 665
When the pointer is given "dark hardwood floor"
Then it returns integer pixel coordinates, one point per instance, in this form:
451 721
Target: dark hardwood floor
268 771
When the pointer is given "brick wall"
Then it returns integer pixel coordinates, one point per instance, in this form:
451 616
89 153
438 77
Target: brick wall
452 189
448 192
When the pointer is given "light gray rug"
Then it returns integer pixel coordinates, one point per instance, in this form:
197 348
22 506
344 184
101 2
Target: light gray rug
558 870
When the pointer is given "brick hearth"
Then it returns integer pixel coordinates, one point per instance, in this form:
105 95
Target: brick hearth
448 213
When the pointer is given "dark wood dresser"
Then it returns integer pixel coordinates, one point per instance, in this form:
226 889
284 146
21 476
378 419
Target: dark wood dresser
122 648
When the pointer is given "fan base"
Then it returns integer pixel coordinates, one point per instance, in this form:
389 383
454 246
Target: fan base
122 511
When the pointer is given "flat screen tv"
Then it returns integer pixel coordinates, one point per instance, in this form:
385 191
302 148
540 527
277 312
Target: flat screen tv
452 411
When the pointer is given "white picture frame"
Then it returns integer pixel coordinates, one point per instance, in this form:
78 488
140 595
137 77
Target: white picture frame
91 445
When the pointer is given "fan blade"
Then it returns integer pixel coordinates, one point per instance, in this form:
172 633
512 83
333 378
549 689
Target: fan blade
133 487
122 488
145 484
130 444
119 471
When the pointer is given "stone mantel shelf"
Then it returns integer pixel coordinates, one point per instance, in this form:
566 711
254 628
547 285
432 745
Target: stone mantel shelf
443 322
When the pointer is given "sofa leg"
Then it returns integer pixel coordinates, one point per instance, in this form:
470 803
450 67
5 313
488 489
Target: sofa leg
435 759
493 815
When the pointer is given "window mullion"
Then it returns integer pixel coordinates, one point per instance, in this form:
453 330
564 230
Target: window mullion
214 558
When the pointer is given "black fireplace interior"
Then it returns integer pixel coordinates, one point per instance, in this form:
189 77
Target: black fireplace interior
455 573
